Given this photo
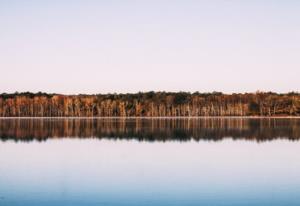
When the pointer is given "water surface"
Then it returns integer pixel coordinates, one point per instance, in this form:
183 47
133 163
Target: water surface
118 162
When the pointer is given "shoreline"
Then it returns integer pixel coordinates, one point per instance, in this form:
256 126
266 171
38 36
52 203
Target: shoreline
164 117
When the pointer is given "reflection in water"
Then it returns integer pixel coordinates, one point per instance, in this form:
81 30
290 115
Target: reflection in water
164 129
77 172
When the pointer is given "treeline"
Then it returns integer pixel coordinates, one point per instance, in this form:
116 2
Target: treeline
149 104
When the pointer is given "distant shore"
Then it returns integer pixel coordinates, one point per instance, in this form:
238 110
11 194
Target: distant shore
151 105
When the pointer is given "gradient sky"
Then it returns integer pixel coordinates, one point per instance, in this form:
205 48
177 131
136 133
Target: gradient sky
130 46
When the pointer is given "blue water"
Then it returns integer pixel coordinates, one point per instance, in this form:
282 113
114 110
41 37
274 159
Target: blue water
90 171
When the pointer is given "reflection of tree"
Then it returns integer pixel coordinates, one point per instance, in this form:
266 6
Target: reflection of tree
151 129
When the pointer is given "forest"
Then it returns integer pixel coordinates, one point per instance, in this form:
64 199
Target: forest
149 104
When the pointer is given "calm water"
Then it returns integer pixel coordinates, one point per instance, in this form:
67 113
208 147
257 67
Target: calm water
116 162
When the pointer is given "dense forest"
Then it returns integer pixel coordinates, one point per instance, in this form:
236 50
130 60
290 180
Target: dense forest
149 104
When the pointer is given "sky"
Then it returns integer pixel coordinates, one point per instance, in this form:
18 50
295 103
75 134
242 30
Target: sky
126 46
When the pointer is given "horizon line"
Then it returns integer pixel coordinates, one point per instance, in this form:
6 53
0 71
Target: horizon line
149 91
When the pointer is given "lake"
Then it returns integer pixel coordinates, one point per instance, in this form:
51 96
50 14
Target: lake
139 162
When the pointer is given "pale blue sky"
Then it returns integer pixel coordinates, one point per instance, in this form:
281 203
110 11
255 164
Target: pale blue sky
129 46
